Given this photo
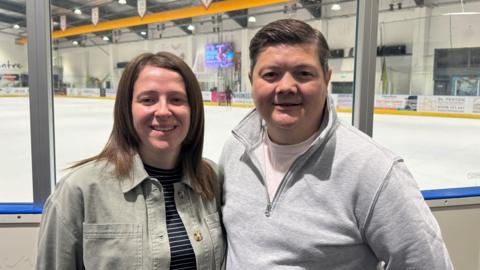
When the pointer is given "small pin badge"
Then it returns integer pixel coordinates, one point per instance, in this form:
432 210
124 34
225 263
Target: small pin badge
198 236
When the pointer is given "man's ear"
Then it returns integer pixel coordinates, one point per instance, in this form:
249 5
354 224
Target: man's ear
328 76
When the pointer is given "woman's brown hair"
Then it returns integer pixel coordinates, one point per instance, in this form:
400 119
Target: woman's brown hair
123 142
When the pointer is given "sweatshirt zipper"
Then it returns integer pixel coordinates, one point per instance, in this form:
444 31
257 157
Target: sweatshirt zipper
255 163
283 183
281 187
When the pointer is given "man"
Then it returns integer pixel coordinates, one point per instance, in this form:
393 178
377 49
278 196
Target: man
306 191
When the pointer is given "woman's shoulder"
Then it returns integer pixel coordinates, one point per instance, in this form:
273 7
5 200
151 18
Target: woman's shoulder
217 181
217 172
84 175
211 163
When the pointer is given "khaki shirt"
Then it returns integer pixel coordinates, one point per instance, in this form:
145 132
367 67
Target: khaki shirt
95 220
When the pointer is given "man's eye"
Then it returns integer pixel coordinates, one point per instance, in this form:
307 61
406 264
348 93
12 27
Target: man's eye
269 75
305 74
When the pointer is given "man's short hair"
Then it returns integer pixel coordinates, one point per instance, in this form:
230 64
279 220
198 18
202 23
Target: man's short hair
289 32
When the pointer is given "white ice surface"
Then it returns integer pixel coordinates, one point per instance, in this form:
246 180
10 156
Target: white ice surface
440 152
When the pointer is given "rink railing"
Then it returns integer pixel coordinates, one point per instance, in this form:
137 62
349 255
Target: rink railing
27 213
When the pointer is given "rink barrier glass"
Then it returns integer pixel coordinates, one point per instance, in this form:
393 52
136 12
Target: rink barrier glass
434 194
451 193
19 208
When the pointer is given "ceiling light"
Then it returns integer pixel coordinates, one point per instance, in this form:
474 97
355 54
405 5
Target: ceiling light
462 12
191 27
143 33
252 19
105 38
122 2
336 7
16 26
75 42
77 11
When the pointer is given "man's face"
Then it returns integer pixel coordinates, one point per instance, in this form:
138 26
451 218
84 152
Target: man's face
289 89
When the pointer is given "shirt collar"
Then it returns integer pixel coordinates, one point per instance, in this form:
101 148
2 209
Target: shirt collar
138 174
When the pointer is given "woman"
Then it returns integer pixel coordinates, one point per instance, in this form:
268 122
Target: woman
148 200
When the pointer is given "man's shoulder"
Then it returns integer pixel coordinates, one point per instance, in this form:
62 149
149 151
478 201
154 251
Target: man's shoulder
230 147
355 142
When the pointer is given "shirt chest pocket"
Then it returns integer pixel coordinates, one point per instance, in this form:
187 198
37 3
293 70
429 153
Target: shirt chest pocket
216 235
112 246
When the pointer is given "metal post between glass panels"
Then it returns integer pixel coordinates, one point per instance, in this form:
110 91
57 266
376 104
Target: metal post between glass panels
41 99
365 61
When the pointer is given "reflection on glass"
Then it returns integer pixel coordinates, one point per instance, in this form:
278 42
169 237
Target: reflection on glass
427 89
15 156
87 66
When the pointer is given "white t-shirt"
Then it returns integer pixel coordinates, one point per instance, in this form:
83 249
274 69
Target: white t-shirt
277 159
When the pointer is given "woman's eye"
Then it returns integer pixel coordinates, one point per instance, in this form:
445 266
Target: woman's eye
147 100
178 100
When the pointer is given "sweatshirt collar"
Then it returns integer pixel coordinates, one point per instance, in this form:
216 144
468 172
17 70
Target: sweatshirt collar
249 131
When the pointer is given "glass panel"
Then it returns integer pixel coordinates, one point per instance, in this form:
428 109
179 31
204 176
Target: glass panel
428 85
15 156
87 67
339 21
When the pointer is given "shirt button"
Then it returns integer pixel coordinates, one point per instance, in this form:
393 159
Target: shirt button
197 235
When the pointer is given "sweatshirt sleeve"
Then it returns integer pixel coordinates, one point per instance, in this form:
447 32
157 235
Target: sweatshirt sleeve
400 228
60 237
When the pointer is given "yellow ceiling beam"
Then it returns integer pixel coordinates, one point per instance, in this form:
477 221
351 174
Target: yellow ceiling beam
165 16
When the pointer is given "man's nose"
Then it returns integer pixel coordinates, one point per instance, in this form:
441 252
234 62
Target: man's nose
287 84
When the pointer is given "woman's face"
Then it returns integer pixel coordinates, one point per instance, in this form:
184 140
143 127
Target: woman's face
161 115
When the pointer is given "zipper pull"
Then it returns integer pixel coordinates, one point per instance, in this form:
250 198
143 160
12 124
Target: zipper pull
267 211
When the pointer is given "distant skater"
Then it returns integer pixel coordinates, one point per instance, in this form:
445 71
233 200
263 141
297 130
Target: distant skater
228 96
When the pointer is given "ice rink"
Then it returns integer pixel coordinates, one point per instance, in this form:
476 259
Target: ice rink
441 152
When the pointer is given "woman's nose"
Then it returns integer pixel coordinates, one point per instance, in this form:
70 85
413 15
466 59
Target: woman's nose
162 109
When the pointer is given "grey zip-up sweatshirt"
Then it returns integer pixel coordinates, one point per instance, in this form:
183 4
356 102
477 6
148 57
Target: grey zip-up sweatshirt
346 203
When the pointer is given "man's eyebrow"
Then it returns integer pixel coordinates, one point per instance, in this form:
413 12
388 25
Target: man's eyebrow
305 66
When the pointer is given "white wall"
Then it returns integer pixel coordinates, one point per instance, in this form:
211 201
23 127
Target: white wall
12 53
13 58
100 61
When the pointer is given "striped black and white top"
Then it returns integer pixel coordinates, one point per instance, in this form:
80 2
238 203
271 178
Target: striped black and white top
182 255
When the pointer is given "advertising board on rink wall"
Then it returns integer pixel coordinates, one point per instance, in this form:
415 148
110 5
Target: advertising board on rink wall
449 104
440 104
206 96
389 102
83 92
13 91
